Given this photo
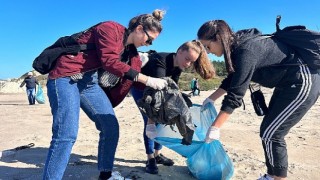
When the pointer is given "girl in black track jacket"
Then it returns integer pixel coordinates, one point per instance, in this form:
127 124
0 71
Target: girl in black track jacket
264 61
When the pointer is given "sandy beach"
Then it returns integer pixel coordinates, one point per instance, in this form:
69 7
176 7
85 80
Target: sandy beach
22 124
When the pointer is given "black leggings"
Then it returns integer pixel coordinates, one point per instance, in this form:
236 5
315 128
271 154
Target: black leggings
289 103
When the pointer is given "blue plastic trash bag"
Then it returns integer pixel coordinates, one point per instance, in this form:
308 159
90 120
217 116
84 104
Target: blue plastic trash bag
210 162
196 92
39 96
205 161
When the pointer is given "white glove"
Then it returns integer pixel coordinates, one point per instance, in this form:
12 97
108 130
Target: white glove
213 133
151 131
156 83
206 101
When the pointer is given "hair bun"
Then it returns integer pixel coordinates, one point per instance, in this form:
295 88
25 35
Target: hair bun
158 14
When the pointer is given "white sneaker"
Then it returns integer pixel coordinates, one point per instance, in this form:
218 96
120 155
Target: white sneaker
265 177
117 176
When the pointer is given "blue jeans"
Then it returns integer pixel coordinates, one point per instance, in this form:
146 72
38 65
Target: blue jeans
149 144
66 97
31 93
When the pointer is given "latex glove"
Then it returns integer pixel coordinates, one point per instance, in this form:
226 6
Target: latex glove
151 131
213 133
206 101
156 83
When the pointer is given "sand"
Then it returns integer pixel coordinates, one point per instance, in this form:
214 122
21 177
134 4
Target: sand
22 124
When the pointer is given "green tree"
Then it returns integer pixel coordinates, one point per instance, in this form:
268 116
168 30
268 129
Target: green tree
188 74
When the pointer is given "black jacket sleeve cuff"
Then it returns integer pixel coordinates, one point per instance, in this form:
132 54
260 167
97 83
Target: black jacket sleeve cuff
227 109
131 74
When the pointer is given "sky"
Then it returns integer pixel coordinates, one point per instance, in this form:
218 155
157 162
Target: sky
28 27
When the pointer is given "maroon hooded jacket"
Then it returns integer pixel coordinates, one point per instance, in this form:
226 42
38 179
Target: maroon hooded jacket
109 38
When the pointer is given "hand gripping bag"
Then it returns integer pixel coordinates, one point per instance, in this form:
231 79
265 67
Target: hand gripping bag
205 161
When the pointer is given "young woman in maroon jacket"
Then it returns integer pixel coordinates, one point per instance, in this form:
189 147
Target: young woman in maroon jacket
73 84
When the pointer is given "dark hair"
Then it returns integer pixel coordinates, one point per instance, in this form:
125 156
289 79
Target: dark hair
202 65
210 30
148 21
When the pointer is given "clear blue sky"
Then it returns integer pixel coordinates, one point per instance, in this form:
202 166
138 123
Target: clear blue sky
27 27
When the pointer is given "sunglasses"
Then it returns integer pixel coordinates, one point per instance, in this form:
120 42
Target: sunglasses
149 40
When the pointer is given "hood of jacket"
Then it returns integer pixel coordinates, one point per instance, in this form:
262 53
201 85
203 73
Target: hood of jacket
244 35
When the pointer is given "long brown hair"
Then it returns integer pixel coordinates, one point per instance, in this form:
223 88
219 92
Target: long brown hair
202 65
150 22
209 31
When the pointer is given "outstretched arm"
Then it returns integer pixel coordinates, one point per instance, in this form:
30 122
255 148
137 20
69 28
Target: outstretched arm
22 84
217 94
155 83
221 119
213 132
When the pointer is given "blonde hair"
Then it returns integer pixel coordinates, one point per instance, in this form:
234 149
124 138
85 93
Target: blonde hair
202 65
150 22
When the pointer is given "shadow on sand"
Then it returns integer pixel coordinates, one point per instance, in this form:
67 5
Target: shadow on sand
31 162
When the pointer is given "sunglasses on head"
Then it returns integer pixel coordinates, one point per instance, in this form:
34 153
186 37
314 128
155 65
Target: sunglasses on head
149 40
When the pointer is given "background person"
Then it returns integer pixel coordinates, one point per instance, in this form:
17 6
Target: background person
30 81
296 87
170 65
196 87
67 95
192 86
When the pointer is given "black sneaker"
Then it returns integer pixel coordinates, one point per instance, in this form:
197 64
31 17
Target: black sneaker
161 159
151 166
